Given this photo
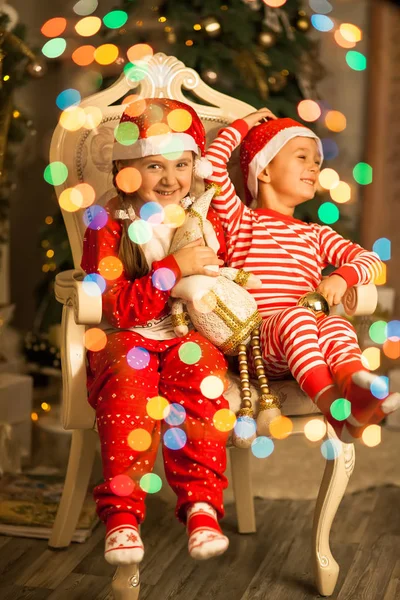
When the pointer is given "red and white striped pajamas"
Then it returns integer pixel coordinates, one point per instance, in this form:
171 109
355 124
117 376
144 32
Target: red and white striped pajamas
289 256
119 393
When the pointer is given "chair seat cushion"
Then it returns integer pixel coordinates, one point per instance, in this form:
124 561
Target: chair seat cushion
294 401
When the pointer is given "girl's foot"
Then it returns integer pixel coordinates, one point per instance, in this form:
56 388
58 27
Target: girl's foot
205 536
123 545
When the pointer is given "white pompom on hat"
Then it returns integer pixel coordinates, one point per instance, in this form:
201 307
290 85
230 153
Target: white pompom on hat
162 126
262 143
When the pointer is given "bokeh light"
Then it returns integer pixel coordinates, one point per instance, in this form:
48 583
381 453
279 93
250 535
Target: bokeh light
281 427
335 121
139 439
95 217
378 332
94 117
88 26
67 98
163 279
126 133
330 148
190 353
115 19
372 435
174 215
176 415
331 449
136 105
106 54
138 358
69 200
83 56
328 213
322 7
150 483
315 430
110 268
56 173
341 193
382 247
340 409
157 408
122 485
391 349
94 279
262 447
54 27
381 278
362 173
212 387
135 72
393 330
356 60
140 232
73 118
245 427
95 339
380 387
274 3
321 22
152 212
158 129
85 7
87 195
139 52
179 119
309 110
371 358
328 178
129 180
224 419
175 438
54 48
341 41
350 32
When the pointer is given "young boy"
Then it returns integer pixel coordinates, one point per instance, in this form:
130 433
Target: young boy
280 161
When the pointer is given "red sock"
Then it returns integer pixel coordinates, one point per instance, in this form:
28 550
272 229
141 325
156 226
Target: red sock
205 536
349 377
123 544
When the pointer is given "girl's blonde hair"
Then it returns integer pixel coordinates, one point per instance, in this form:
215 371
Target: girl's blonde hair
130 254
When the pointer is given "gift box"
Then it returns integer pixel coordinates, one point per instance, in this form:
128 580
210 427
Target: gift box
16 393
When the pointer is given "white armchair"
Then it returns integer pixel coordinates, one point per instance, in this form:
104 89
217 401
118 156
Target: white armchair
87 154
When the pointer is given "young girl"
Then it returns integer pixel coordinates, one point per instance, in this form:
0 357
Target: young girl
280 162
143 366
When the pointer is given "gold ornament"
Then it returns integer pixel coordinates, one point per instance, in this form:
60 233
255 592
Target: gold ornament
267 39
212 26
315 302
36 68
276 82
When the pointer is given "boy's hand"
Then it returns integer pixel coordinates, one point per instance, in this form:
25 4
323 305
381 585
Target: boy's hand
255 117
333 289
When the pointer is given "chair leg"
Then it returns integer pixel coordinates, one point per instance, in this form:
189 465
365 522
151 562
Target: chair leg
242 489
333 486
80 463
126 583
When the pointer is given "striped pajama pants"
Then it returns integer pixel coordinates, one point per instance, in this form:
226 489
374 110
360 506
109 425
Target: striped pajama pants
298 341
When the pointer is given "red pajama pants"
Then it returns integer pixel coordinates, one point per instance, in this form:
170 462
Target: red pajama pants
120 393
295 339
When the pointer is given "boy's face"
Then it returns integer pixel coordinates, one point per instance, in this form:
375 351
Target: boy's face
292 175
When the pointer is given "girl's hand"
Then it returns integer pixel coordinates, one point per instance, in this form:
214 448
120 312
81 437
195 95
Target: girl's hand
194 257
333 289
255 117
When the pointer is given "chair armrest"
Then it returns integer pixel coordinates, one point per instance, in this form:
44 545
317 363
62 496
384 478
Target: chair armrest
85 299
360 300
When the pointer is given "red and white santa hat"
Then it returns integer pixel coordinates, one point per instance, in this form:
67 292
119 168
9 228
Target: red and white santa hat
161 126
262 143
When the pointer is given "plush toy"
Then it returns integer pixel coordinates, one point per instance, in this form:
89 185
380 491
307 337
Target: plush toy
223 311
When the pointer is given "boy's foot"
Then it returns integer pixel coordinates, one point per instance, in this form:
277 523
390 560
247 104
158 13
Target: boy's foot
356 388
205 536
389 405
123 545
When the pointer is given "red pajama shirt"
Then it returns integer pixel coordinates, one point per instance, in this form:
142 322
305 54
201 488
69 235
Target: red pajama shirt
119 391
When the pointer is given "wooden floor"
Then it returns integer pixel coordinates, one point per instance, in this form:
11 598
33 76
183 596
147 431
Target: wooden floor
273 564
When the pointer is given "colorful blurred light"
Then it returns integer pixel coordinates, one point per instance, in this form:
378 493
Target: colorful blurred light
224 420
309 110
54 48
331 449
139 440
212 387
321 22
54 27
139 52
380 387
391 349
151 483
372 435
129 180
115 19
262 447
393 330
174 215
176 415
95 339
328 213
157 408
88 26
340 409
110 268
322 7
106 54
84 55
85 7
175 438
382 247
122 485
95 217
163 279
315 430
330 148
274 3
350 32
335 121
190 353
378 332
67 98
138 358
328 178
371 358
356 60
341 193
382 277
56 173
94 279
73 118
140 232
281 427
94 117
362 173
341 41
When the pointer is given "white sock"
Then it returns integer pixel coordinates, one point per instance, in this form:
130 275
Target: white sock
123 546
205 536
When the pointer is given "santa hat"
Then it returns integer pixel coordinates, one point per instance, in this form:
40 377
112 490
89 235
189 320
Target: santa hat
162 126
262 144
